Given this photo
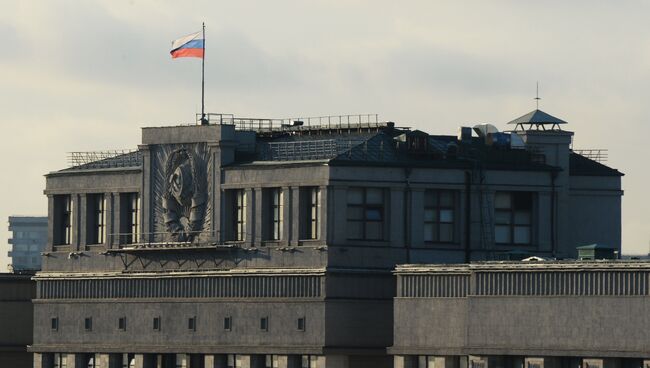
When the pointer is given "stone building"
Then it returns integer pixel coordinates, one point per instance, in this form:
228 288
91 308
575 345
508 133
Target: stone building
271 243
28 240
589 314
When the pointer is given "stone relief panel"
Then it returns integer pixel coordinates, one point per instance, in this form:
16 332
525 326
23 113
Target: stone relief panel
181 192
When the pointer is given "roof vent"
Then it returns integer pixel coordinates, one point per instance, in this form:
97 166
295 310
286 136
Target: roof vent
465 134
484 129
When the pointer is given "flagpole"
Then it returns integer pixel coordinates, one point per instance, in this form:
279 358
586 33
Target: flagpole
204 121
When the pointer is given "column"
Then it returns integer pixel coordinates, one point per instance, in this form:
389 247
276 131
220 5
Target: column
108 215
258 220
287 218
416 216
115 239
295 216
214 176
338 206
250 216
394 207
146 221
323 204
50 224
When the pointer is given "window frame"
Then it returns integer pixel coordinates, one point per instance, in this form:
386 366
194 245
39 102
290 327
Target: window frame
437 221
96 217
364 207
63 221
272 214
310 204
511 214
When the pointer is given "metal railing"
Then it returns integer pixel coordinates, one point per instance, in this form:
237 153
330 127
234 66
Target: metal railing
596 154
330 122
105 159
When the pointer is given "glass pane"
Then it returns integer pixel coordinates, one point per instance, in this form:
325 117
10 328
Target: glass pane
355 196
446 233
502 217
430 198
374 230
522 235
522 218
430 233
523 200
430 215
355 230
446 198
447 216
355 213
374 196
502 200
373 214
502 234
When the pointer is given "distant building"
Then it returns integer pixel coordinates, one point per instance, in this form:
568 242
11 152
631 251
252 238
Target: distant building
257 243
29 237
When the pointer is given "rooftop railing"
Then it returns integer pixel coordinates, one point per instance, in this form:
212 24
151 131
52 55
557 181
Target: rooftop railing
104 159
596 154
330 122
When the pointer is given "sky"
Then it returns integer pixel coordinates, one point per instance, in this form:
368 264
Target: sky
86 75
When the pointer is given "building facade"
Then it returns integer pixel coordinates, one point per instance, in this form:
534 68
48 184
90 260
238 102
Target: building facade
263 243
523 314
28 240
16 319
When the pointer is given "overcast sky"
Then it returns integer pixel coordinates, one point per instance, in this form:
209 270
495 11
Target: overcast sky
86 75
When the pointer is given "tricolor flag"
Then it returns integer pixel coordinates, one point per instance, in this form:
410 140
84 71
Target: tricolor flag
189 46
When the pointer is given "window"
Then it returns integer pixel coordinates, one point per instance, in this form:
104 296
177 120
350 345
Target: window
309 361
129 218
234 361
513 217
272 213
439 216
365 213
91 360
191 323
55 323
264 324
301 324
237 205
272 361
181 361
156 323
96 215
121 324
63 219
60 360
128 360
88 323
227 323
309 212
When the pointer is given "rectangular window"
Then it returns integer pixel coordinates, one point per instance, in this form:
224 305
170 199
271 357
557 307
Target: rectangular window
63 217
301 324
156 324
121 324
128 360
365 213
88 324
55 323
181 361
272 361
91 360
60 360
309 213
513 217
272 213
237 209
191 323
439 216
309 361
234 361
129 218
264 324
96 215
227 323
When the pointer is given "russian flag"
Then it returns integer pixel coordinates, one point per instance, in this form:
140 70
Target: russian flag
189 46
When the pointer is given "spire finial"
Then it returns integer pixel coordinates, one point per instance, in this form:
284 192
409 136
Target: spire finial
537 98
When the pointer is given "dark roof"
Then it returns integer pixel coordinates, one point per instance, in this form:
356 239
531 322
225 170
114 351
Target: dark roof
582 166
537 117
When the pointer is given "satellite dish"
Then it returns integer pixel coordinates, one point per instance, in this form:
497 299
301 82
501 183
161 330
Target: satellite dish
483 129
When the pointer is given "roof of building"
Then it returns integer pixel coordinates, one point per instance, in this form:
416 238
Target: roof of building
582 166
537 117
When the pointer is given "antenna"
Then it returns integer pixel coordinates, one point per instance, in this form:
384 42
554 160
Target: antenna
537 98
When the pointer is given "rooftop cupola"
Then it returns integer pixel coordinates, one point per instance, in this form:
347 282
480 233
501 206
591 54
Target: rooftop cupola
537 120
